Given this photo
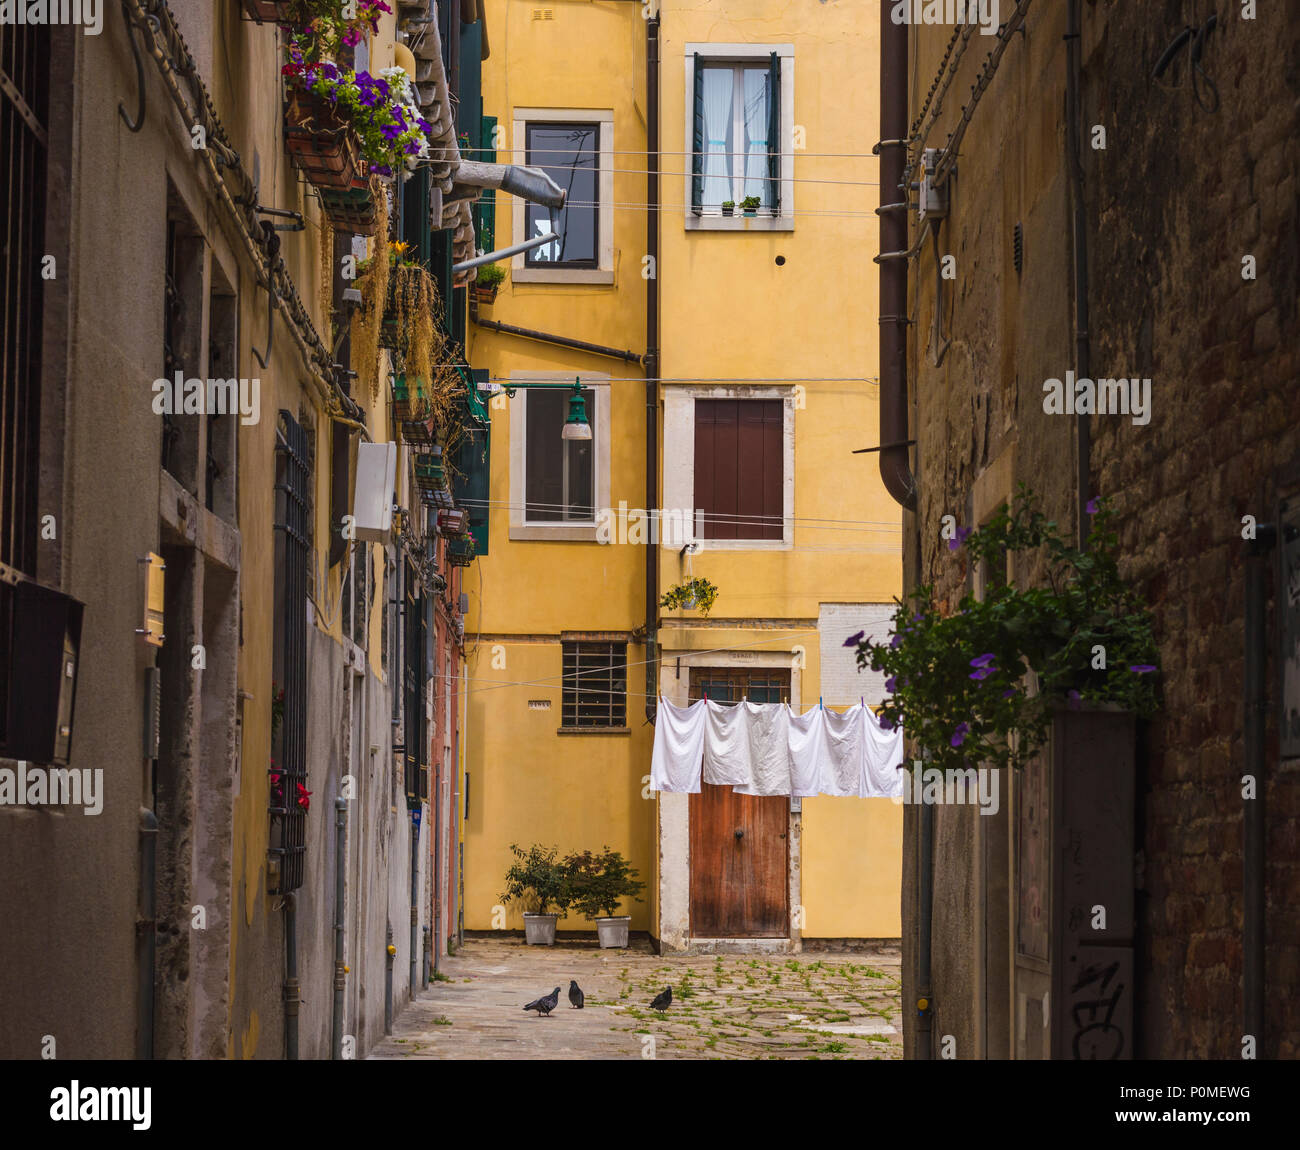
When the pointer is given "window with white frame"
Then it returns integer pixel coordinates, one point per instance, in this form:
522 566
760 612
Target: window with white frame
557 485
739 107
574 146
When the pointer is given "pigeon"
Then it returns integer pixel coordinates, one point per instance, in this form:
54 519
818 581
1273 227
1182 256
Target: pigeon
545 1004
576 997
662 1001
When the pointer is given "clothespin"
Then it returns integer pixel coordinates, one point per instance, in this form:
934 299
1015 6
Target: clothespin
820 703
862 699
706 696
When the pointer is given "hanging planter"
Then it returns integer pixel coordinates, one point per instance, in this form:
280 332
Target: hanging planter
694 594
488 282
321 144
351 209
461 550
429 475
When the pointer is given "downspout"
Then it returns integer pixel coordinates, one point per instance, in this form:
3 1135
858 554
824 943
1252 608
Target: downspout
557 340
1254 744
146 934
291 989
652 361
1083 349
439 878
340 897
895 465
415 896
390 952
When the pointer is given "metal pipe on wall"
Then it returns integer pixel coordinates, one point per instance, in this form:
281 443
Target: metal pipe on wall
390 952
415 896
340 898
652 359
291 989
1254 744
557 340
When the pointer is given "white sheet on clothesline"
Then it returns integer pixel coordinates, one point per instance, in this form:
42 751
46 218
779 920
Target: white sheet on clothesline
767 749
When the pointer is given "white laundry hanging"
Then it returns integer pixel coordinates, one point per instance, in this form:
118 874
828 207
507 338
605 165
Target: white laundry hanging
767 749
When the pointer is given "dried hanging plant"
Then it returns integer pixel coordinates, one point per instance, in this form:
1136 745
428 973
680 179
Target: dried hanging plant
372 280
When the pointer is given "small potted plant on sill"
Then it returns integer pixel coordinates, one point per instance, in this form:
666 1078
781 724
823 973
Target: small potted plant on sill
749 205
541 883
728 207
597 884
487 282
693 594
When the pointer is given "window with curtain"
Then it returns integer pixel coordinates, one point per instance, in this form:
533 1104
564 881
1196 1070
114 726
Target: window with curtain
737 147
560 473
570 155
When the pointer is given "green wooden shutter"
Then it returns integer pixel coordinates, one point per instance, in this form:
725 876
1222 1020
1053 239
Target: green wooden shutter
775 140
485 207
697 156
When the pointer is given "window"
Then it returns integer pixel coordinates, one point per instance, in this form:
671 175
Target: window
560 473
570 155
737 111
558 486
739 468
739 104
595 685
730 685
356 596
575 147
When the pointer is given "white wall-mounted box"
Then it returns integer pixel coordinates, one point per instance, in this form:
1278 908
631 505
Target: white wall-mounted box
373 504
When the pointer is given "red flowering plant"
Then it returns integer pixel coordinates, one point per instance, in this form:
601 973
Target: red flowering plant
958 681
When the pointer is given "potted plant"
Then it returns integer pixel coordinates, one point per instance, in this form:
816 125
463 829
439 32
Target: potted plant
541 883
728 207
694 593
959 678
597 884
488 281
749 205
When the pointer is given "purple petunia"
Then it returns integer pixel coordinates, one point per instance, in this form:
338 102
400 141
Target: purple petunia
885 724
963 533
1141 668
1093 506
982 660
854 640
1073 699
959 735
1011 694
896 641
890 683
982 674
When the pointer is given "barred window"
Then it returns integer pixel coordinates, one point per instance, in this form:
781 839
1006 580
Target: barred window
595 685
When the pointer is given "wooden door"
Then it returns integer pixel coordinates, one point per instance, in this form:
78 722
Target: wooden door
740 845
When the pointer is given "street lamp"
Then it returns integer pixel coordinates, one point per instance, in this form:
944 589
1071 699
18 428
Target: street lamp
576 426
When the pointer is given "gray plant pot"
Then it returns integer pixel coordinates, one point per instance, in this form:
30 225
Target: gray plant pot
539 929
612 932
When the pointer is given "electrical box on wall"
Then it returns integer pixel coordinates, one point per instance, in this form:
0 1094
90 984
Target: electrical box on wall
44 651
373 503
932 202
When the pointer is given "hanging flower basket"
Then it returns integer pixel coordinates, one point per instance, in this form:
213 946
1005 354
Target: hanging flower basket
320 142
485 295
461 550
694 593
284 12
429 475
351 209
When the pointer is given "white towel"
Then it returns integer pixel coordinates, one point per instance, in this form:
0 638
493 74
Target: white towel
679 748
840 765
726 746
881 759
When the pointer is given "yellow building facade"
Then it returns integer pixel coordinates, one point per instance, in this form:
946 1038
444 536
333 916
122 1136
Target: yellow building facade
758 332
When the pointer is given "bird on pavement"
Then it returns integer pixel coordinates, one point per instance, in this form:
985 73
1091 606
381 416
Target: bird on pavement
576 997
662 1001
545 1004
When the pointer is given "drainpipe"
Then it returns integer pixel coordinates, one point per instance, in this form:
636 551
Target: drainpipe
652 360
390 952
925 911
415 895
340 896
146 934
559 340
1083 348
428 948
895 465
291 988
435 817
1254 745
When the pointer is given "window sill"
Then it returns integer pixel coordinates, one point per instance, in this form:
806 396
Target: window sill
745 544
536 275
593 730
738 223
567 533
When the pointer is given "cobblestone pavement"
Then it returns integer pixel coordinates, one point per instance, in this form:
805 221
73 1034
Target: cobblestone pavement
808 1006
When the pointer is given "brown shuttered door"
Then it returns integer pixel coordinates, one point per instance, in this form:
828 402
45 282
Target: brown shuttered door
739 857
738 467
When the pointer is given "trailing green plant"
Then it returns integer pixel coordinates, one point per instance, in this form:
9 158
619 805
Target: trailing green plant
962 683
538 880
698 593
599 882
490 275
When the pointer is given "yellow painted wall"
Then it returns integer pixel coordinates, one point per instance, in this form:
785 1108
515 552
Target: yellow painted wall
727 310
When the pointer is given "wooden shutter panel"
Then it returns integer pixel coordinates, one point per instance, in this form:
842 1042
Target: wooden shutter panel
697 156
774 137
739 464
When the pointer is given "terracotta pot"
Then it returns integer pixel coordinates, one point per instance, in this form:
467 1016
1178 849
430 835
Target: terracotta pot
321 144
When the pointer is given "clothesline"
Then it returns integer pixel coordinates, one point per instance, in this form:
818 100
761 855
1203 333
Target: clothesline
769 749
